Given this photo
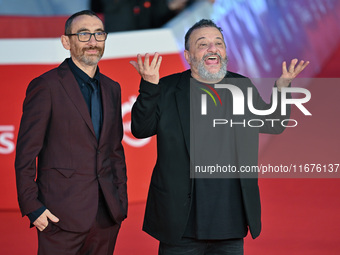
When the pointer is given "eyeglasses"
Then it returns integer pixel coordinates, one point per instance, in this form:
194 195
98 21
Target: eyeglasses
86 36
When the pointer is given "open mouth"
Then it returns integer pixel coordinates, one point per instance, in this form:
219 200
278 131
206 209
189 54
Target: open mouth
212 60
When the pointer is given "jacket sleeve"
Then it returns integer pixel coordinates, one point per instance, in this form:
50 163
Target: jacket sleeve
118 161
145 111
33 126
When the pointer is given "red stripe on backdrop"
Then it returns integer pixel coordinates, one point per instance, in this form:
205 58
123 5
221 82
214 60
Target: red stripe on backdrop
32 27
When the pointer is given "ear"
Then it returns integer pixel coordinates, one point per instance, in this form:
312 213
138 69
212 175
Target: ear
187 56
65 40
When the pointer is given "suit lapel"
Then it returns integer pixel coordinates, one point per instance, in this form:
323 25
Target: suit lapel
105 94
69 82
183 105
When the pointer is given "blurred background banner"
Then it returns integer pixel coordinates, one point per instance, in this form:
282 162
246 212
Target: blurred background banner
259 34
42 7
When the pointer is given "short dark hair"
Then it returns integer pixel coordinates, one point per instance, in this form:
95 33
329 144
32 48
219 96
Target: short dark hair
197 25
73 16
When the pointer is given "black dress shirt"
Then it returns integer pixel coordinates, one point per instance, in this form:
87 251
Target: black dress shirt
83 81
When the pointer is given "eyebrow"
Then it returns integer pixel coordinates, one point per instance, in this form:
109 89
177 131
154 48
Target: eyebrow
201 38
87 30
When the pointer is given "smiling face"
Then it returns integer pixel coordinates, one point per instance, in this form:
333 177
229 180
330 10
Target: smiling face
207 55
85 54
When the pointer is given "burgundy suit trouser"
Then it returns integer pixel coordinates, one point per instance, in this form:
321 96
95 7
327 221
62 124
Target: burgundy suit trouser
99 240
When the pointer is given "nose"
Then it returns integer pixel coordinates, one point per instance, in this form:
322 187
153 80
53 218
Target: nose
92 40
212 47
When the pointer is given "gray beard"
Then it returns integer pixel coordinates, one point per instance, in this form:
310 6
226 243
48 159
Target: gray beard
205 74
90 61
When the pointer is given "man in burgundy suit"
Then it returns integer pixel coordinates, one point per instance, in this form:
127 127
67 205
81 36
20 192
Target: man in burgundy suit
75 192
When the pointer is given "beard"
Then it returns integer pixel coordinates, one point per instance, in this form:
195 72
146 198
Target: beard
205 74
89 60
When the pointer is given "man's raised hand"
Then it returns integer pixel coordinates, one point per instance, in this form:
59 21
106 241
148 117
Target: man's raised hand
293 71
148 71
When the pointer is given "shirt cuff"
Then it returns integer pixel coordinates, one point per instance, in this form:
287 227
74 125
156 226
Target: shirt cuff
36 214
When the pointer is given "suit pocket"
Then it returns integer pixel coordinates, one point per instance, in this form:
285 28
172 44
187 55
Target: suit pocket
66 172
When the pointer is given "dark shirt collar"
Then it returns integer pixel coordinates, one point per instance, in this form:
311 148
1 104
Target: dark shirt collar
80 74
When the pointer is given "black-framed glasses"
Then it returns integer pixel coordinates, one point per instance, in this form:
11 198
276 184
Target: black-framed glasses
86 36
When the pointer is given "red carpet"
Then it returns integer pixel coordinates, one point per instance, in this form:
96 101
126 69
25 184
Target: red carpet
300 216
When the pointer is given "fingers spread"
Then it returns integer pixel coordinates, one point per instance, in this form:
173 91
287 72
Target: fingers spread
302 65
148 71
293 69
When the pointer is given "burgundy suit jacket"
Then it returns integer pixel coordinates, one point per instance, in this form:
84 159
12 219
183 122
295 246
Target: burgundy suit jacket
56 128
